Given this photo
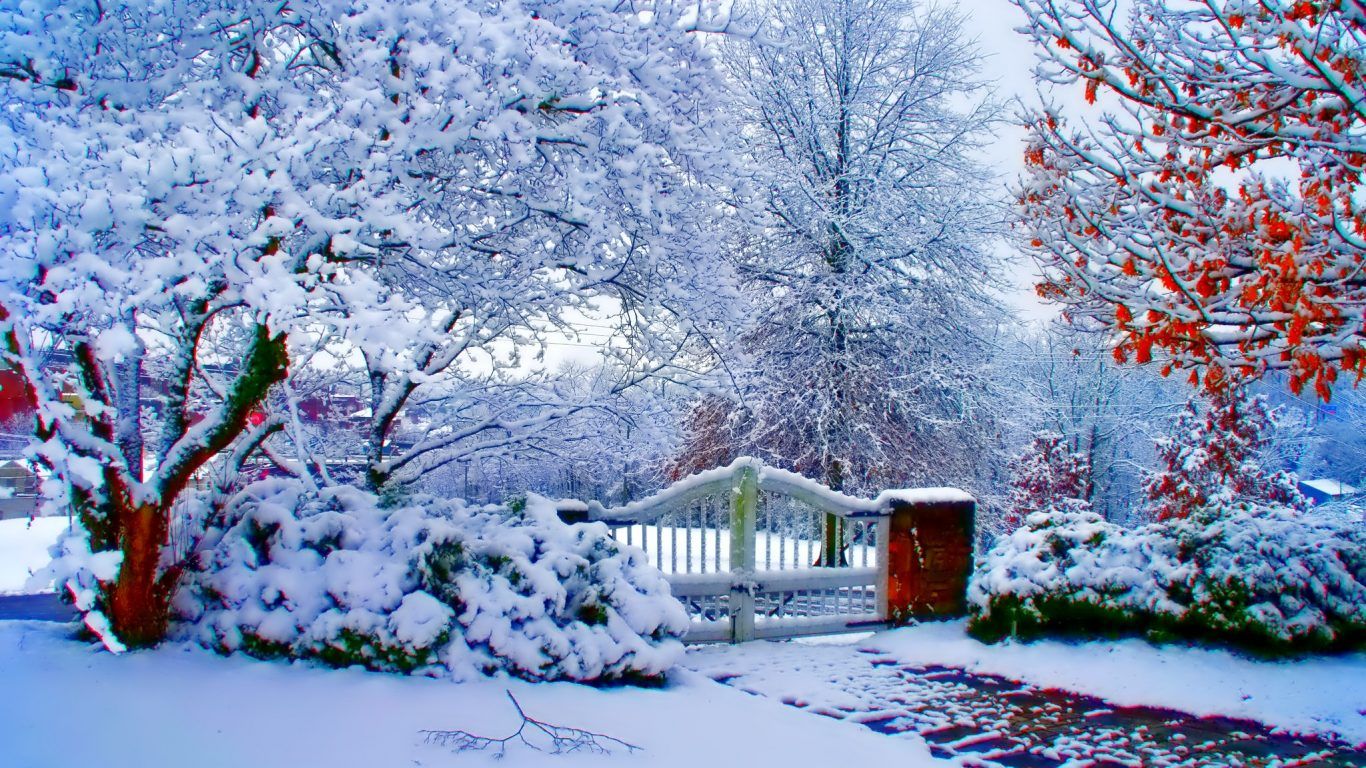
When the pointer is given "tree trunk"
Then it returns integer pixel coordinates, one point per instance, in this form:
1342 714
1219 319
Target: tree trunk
832 533
139 600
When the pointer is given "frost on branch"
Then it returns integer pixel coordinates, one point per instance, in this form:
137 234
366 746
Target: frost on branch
427 587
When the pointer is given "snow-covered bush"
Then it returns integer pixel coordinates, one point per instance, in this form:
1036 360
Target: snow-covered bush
1263 577
426 586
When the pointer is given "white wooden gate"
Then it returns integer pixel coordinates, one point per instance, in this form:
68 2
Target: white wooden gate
758 552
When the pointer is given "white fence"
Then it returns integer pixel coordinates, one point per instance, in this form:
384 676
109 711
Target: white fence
757 552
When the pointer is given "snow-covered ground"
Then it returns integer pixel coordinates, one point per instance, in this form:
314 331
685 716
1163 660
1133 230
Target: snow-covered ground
276 714
1321 694
23 549
65 704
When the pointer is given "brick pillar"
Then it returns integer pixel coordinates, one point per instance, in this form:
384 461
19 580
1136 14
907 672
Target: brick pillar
929 557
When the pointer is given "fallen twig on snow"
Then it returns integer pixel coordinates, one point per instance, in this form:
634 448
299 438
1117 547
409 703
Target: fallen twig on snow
562 739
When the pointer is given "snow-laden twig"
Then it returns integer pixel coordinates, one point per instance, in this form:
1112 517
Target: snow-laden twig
561 739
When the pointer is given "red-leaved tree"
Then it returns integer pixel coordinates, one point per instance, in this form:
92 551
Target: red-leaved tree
1212 455
1212 216
1046 472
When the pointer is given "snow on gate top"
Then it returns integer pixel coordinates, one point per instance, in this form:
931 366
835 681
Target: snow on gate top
769 478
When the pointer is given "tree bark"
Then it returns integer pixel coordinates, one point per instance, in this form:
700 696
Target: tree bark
139 600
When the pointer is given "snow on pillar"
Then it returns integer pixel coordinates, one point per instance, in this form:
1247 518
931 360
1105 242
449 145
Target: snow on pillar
929 556
571 511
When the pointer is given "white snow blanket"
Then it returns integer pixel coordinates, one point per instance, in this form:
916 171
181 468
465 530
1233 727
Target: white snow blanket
179 706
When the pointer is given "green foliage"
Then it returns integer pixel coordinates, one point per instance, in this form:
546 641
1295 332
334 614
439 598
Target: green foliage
261 648
347 648
593 614
258 537
351 648
391 495
1013 616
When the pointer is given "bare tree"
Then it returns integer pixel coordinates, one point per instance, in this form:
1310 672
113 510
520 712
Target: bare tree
867 283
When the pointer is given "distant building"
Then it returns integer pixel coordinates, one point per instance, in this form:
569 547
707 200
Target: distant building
1324 490
22 486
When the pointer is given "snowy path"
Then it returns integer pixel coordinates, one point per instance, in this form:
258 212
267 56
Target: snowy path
990 720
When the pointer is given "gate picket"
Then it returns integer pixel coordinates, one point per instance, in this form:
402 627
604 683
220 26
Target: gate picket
833 571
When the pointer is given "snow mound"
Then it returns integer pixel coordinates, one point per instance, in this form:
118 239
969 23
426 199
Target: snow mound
24 551
1263 577
427 587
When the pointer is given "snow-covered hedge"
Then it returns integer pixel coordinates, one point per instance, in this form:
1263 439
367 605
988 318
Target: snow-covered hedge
428 586
1265 578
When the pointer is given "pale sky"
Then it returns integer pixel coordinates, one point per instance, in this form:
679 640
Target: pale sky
1008 62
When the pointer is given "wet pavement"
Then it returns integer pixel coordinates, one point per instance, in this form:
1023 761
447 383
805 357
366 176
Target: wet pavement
42 607
993 722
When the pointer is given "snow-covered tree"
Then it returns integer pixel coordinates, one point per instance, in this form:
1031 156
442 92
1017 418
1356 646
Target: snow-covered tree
1213 456
1213 215
611 451
867 281
1066 381
191 189
1046 472
1322 440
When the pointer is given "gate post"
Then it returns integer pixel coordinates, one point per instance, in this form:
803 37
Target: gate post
744 505
929 559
